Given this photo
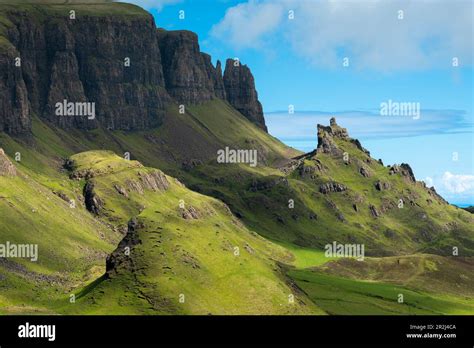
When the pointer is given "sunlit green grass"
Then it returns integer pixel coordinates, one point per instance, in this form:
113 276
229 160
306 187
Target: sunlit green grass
338 295
306 257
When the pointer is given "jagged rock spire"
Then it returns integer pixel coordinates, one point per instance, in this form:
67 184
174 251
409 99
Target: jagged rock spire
241 93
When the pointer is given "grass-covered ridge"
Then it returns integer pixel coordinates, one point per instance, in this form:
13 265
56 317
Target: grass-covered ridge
182 254
197 258
71 244
189 244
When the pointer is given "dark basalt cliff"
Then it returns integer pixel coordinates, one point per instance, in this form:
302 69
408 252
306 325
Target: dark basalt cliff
125 65
189 74
241 93
83 60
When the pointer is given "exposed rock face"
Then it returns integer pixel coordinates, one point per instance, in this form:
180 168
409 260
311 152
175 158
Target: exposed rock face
190 77
14 105
120 258
432 192
241 94
382 185
373 210
6 166
123 65
93 202
357 143
189 213
307 171
154 181
326 143
403 169
219 88
84 60
408 172
332 187
365 172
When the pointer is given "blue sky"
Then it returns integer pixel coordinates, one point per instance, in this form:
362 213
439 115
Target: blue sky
404 51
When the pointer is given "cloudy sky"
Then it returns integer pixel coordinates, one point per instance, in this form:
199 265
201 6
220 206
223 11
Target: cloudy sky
346 58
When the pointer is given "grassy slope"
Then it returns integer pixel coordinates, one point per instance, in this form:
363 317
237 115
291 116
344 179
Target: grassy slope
338 295
425 272
71 244
430 284
178 256
429 227
176 142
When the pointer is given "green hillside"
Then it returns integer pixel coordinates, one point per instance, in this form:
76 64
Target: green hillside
338 295
188 249
191 252
72 244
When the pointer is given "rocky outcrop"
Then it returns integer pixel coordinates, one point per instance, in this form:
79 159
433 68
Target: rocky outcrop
111 61
336 130
121 259
190 77
404 170
326 143
241 94
189 213
219 88
365 172
152 181
357 143
14 105
121 65
432 192
6 166
373 211
382 185
407 171
93 202
332 187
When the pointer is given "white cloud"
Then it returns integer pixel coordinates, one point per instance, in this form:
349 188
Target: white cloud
369 124
458 183
245 25
429 181
152 4
430 34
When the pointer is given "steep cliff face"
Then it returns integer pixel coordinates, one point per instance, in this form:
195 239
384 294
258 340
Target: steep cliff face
190 77
14 106
241 93
122 66
112 62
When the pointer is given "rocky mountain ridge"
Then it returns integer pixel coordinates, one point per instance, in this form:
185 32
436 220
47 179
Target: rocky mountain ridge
128 68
